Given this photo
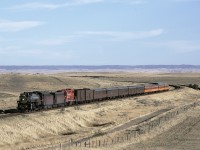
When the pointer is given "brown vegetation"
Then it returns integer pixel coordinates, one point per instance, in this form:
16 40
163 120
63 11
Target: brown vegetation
86 120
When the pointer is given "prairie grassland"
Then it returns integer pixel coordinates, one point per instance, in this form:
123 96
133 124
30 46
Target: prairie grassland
81 121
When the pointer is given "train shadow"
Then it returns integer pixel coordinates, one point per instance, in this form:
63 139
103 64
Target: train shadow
8 111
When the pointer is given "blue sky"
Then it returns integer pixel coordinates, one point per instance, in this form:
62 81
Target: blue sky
99 32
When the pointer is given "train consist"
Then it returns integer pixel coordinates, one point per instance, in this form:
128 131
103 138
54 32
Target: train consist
38 100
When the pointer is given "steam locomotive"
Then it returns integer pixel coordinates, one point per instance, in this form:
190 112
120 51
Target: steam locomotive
39 100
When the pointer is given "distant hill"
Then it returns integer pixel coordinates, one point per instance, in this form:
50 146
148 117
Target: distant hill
82 68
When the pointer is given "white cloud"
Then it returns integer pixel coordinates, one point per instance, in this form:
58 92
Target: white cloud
88 1
134 2
183 46
8 48
52 6
108 35
14 26
36 5
186 0
55 42
120 36
18 50
177 46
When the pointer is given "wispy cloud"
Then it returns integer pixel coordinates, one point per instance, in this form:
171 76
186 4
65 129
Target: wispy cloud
55 41
176 46
133 2
183 46
18 55
87 1
37 5
99 35
121 36
14 26
186 0
52 6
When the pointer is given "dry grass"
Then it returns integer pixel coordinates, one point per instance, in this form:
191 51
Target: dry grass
62 125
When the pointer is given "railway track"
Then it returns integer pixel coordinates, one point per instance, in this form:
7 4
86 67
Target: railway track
13 112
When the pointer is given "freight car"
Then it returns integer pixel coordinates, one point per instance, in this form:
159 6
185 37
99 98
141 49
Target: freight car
37 100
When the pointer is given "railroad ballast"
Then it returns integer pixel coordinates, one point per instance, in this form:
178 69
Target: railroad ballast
38 100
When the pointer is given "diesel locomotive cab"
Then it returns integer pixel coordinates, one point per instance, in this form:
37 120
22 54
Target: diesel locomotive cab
28 101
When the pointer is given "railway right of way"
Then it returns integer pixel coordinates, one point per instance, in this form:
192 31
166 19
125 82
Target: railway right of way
13 112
